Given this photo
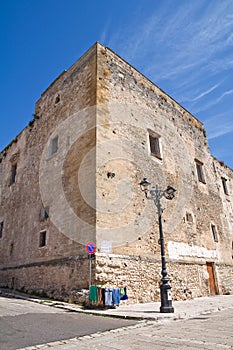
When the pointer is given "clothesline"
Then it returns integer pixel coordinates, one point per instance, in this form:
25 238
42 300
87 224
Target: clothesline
100 296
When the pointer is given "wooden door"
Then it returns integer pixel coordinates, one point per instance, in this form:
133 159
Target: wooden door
212 283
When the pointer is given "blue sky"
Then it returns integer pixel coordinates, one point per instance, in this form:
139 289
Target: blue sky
184 46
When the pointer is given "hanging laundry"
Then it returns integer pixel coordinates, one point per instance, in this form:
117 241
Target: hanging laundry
108 297
116 296
124 295
100 296
103 296
122 291
93 296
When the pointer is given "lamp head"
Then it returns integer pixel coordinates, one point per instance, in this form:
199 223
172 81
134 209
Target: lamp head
145 185
169 193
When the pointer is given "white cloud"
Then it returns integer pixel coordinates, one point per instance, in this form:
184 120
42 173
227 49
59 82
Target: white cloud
229 92
219 130
204 93
187 49
213 102
219 125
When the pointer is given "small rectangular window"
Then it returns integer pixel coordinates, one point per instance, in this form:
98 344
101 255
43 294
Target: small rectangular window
44 213
214 232
200 171
1 229
54 145
189 217
13 173
42 239
224 185
155 146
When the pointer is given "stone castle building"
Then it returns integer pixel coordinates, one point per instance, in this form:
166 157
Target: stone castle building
72 176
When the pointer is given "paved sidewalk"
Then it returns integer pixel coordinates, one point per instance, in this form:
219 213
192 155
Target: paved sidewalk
147 311
183 309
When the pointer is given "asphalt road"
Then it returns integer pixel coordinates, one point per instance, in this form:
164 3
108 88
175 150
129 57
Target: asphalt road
213 331
24 323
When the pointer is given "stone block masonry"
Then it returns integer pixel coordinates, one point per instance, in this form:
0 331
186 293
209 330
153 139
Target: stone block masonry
72 176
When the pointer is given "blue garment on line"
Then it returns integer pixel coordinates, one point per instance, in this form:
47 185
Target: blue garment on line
108 296
124 296
116 296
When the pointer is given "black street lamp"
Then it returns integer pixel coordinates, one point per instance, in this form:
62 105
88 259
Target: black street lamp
153 193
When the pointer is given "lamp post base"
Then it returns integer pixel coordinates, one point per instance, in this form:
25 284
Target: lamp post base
167 309
166 299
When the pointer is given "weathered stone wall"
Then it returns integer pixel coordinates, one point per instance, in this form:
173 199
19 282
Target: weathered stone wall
142 277
226 234
130 107
58 279
225 275
99 117
21 202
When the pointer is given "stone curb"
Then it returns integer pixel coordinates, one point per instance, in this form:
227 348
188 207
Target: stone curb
65 306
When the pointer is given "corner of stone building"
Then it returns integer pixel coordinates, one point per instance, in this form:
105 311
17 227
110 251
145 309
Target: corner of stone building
97 83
